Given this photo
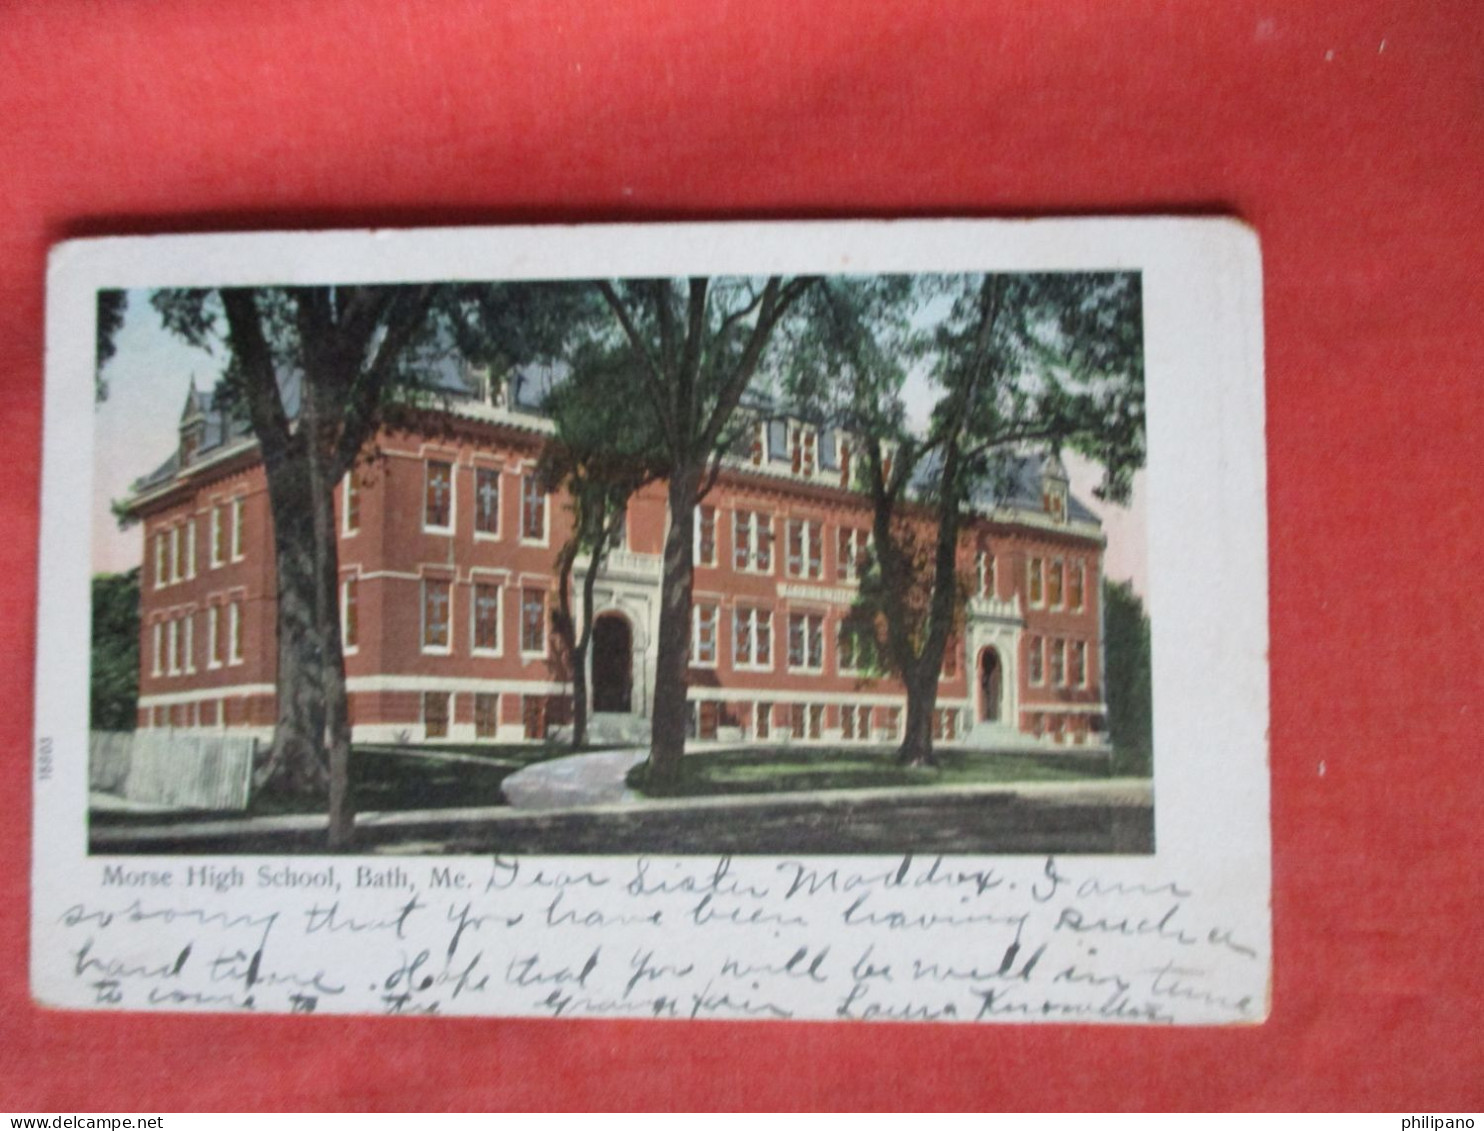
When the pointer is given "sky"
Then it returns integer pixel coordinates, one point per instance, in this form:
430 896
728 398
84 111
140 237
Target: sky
136 428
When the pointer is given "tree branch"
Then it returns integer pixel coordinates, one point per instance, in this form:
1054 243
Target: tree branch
270 422
654 379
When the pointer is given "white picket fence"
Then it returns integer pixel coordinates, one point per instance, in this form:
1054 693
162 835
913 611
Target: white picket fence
177 768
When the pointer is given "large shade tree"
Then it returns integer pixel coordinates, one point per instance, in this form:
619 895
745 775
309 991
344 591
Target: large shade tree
695 346
1018 363
356 357
604 449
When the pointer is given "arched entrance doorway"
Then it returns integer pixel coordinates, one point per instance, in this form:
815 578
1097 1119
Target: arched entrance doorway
613 663
991 686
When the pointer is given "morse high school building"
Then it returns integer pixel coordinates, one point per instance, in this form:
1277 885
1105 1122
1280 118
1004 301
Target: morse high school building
447 551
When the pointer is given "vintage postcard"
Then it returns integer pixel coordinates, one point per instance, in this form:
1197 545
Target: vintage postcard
824 621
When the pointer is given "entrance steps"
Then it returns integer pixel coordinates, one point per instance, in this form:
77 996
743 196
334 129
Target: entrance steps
609 728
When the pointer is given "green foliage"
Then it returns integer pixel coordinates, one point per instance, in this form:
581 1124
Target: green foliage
111 307
1128 679
114 690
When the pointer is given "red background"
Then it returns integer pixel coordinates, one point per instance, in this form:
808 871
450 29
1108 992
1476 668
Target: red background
1349 133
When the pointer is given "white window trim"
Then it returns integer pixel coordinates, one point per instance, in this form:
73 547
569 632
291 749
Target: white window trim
535 654
190 549
345 584
499 588
162 575
234 633
489 535
806 669
860 543
526 539
1081 604
700 562
213 617
695 635
813 527
216 536
1054 678
1071 646
756 615
474 703
172 647
1061 602
237 520
176 572
758 522
348 487
1031 676
157 665
453 496
434 649
188 644
840 666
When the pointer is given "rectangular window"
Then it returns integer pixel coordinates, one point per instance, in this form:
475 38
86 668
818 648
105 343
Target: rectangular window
1059 663
188 644
984 566
1033 584
533 621
436 604
752 638
350 627
1053 584
487 502
1075 579
437 495
234 633
351 510
172 648
797 719
532 510
216 537
162 571
158 649
850 553
709 711
486 714
806 641
855 650
703 635
752 541
892 729
1035 660
237 529
190 549
1079 663
863 723
705 536
847 723
176 570
215 638
487 618
805 548
762 720
435 714
816 720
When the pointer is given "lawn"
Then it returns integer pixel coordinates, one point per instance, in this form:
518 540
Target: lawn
397 778
788 769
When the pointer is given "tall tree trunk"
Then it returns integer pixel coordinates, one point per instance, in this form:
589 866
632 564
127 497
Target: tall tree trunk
295 764
922 700
667 743
336 734
584 640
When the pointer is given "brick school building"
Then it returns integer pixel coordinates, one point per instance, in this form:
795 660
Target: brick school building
447 552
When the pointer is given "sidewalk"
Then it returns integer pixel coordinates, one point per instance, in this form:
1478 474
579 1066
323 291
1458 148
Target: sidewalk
576 781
